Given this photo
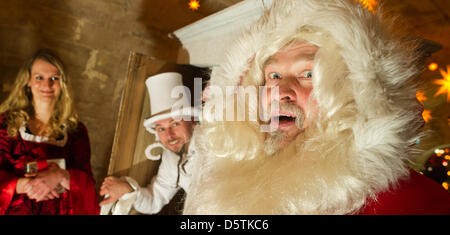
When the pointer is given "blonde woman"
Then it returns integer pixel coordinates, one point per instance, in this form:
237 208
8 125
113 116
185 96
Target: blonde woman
44 149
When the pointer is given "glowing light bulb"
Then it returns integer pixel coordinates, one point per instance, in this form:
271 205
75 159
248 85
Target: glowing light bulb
426 115
445 185
433 66
420 95
194 5
369 4
444 82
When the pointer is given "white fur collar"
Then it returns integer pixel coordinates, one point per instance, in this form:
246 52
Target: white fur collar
364 83
42 139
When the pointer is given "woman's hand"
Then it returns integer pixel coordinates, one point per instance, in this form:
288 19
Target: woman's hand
20 186
115 188
44 185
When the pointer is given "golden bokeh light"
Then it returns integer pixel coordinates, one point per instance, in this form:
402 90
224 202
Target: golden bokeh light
444 82
420 95
194 5
426 115
433 66
371 5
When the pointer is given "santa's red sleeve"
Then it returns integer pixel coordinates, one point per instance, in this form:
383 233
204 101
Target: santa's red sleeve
82 195
416 195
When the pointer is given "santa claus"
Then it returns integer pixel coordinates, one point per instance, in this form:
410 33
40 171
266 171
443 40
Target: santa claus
345 126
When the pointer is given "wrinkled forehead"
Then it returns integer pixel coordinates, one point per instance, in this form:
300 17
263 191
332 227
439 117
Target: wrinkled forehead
295 50
303 46
307 40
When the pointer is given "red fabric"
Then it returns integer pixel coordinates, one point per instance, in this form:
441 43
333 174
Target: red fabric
417 195
41 165
7 189
15 152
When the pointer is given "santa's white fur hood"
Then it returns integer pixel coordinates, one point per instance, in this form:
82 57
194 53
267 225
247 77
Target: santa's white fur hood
364 83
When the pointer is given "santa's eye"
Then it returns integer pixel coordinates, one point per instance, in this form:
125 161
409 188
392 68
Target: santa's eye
274 76
307 74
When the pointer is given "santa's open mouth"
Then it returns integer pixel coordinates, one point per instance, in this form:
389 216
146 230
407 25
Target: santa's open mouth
283 119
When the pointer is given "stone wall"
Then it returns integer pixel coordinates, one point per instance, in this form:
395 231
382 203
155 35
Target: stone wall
94 39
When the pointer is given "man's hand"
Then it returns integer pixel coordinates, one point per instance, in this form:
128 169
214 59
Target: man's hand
115 188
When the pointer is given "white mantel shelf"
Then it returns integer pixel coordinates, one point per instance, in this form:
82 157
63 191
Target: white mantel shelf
206 40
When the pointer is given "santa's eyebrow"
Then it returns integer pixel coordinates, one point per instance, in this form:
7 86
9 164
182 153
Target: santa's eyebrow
269 61
302 57
309 57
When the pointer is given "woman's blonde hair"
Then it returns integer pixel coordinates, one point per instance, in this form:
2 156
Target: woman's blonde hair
18 107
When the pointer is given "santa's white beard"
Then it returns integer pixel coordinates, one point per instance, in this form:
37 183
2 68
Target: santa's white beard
312 175
274 139
368 107
273 142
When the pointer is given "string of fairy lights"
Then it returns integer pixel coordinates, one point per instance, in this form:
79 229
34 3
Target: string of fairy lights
369 4
437 166
444 88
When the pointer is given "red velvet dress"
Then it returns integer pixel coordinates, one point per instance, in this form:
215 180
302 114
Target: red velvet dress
15 152
417 195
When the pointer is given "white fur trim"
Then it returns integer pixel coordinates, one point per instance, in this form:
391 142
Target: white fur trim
364 83
42 139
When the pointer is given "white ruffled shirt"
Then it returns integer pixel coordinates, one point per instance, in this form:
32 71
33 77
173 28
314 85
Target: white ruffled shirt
173 174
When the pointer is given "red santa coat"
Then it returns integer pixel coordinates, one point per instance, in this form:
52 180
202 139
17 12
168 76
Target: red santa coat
417 195
15 152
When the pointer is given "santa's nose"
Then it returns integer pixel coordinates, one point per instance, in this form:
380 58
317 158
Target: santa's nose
287 93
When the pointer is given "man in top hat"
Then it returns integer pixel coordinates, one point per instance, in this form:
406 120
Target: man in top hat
173 127
345 128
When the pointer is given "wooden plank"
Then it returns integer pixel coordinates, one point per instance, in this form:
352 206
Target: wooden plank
128 122
131 139
143 169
